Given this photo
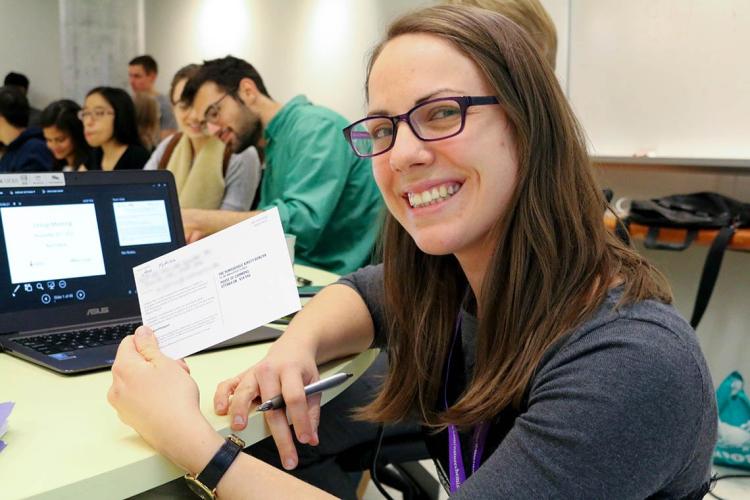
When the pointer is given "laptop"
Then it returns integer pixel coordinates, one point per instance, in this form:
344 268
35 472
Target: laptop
68 245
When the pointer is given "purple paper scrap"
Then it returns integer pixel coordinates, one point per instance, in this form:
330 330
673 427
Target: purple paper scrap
5 409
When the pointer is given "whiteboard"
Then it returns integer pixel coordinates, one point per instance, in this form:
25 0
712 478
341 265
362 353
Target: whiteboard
666 77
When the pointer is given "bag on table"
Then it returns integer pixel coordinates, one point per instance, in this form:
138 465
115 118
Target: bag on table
693 212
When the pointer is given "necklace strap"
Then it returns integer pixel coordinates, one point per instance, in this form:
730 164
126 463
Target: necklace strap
457 472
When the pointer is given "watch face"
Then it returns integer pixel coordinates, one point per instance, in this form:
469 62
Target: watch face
199 488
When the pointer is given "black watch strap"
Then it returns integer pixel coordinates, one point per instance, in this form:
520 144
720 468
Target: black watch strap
212 474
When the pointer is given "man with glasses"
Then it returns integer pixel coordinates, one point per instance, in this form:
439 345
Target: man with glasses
325 193
26 149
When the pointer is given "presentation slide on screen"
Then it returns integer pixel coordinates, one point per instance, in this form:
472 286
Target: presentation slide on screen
52 242
141 222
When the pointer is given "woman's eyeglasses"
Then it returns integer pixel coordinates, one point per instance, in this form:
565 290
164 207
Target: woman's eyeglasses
96 114
431 120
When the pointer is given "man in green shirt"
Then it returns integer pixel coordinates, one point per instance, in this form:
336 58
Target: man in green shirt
326 195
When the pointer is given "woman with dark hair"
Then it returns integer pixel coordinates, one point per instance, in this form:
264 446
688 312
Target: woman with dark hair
206 172
540 354
63 131
108 117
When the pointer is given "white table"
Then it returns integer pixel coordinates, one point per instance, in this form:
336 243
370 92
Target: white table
731 488
66 442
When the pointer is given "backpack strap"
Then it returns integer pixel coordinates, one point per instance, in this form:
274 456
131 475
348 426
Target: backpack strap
652 242
164 161
711 272
622 231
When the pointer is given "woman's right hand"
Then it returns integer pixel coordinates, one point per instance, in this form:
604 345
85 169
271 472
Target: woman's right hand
286 369
334 324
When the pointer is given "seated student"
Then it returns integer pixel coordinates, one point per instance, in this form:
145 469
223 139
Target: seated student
315 463
541 354
63 132
207 174
108 117
326 196
25 148
147 119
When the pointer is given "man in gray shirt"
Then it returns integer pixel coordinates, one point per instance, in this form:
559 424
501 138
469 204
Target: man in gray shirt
142 74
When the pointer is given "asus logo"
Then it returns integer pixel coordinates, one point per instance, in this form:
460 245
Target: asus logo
97 310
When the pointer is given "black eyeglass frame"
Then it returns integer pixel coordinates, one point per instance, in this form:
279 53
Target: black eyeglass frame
464 103
215 109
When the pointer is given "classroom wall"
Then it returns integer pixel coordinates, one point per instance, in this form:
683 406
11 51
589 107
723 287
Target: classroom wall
97 40
667 77
30 35
318 48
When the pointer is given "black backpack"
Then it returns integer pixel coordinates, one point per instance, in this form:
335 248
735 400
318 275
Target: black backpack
693 212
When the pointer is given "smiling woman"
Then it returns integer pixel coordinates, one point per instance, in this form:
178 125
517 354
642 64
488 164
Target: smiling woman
539 354
546 282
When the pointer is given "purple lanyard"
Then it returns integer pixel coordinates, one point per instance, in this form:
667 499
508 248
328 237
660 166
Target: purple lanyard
457 472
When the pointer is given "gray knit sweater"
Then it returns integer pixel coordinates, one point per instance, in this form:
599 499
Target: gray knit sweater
622 407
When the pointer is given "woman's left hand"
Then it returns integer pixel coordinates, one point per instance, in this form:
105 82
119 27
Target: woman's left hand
156 396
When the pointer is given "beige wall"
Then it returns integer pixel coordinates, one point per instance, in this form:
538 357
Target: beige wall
29 44
299 46
666 77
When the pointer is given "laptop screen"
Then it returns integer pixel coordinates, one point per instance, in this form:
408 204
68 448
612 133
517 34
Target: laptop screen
67 249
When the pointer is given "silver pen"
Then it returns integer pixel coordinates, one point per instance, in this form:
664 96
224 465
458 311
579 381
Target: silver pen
321 385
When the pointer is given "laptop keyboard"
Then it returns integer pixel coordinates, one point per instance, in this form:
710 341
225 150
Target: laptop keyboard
54 343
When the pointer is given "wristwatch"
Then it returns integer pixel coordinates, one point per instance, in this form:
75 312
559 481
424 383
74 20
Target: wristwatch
204 485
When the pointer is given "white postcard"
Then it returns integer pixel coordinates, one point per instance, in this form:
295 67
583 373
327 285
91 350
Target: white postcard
219 287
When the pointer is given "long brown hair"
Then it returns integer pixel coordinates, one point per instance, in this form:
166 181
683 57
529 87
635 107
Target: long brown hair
553 262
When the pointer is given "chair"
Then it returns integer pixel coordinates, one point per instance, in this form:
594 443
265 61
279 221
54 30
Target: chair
397 465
